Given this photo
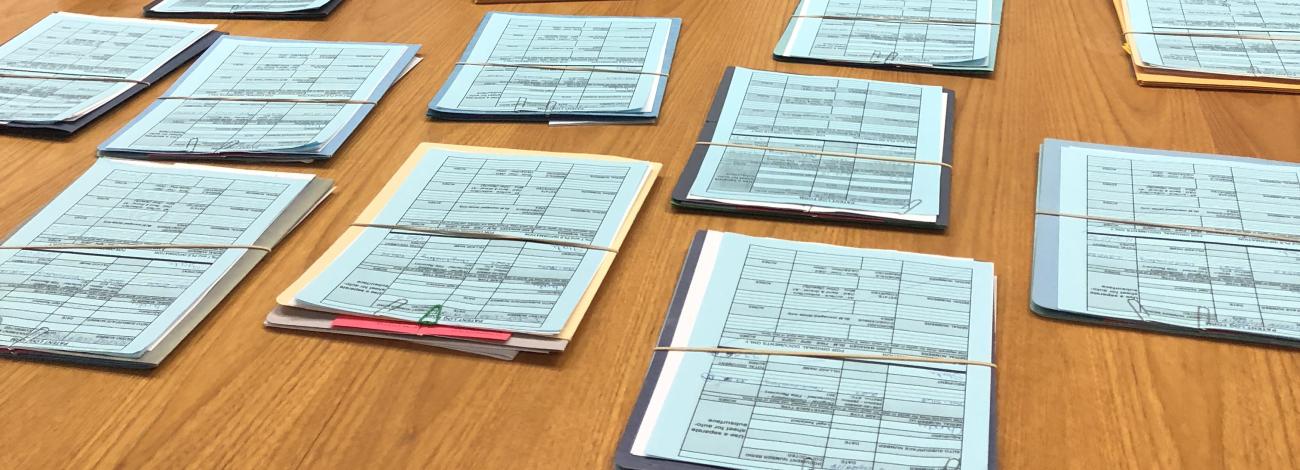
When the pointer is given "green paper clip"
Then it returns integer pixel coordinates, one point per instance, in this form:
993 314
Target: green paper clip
436 311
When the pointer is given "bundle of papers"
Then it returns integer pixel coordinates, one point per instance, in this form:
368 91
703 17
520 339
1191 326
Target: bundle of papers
242 9
955 36
904 379
126 261
487 251
561 69
1238 44
68 69
824 147
265 100
1185 243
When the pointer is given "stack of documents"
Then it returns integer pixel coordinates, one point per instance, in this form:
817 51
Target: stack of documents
488 251
1237 44
955 36
825 148
120 267
1186 243
242 9
68 69
561 69
790 355
265 100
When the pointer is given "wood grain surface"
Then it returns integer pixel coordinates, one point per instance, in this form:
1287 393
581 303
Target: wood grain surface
1069 396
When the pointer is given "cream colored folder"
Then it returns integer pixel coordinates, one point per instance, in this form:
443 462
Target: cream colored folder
525 342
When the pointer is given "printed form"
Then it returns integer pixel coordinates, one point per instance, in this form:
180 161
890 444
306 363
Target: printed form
82 46
904 32
826 114
517 286
266 95
1175 276
122 301
1259 38
236 6
633 55
781 412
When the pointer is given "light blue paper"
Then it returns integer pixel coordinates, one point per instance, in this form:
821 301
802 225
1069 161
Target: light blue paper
775 412
958 35
516 286
236 6
253 69
1184 278
1177 35
827 114
631 44
122 301
68 44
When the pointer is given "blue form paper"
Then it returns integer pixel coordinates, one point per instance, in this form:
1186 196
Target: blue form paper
1253 38
529 287
1172 279
827 114
949 35
640 49
82 46
275 99
121 302
779 412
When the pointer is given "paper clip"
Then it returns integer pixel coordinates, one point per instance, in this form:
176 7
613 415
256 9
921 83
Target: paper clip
436 311
31 335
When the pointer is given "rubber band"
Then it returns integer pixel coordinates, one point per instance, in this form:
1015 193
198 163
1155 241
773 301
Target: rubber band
1216 231
897 19
75 78
266 100
484 235
1212 35
830 355
562 68
831 154
135 246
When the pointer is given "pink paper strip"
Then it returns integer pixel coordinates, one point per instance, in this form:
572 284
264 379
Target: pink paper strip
416 329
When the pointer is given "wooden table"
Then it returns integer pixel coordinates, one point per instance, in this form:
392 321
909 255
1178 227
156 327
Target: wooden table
1069 396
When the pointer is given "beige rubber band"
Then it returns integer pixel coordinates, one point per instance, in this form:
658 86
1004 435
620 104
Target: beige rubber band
74 78
485 236
831 154
1193 228
136 247
1219 36
830 355
897 19
561 68
265 100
